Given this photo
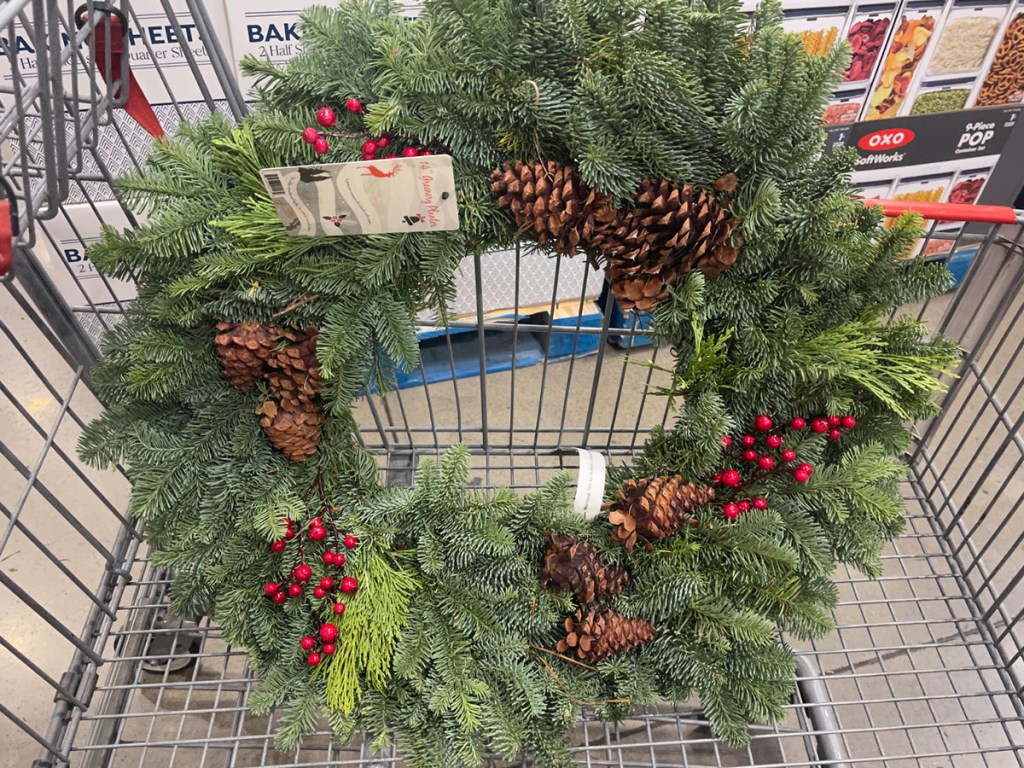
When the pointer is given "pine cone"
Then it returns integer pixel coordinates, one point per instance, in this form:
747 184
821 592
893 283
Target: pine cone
649 509
669 231
244 349
550 200
576 566
292 426
296 374
601 632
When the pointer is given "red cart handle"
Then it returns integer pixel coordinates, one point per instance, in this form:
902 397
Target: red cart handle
8 228
989 214
113 32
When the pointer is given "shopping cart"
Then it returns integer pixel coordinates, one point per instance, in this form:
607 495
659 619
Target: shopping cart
924 669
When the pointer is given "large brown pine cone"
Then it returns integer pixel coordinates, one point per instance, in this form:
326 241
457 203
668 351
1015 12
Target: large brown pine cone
293 427
550 201
671 230
598 633
649 509
243 349
296 370
576 566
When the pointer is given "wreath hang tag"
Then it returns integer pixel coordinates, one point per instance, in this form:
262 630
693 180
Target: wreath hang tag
590 483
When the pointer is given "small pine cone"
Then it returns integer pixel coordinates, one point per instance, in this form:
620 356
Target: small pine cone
601 632
669 231
293 427
244 349
576 566
550 201
649 509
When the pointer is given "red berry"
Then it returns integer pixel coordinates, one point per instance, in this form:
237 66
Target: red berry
748 441
303 573
309 135
383 142
328 648
819 425
279 597
339 559
319 593
328 558
731 478
328 632
307 643
409 152
801 477
349 585
354 105
726 441
834 421
370 147
277 546
763 423
425 152
766 462
750 455
834 434
798 423
367 158
760 503
326 582
788 456
805 467
318 533
339 608
849 422
290 533
294 590
313 659
390 157
717 478
731 511
270 588
351 541
744 506
774 441
325 116
317 521
320 146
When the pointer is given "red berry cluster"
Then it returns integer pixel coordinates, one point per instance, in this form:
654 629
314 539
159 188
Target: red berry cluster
302 574
328 634
773 459
326 118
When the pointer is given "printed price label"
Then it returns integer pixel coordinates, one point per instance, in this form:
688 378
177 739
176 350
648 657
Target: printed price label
373 197
590 484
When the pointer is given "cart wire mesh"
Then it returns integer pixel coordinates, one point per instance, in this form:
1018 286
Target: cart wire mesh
924 668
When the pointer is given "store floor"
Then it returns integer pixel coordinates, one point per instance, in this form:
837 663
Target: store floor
194 716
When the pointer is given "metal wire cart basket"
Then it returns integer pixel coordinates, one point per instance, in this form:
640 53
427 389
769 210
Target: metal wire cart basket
925 668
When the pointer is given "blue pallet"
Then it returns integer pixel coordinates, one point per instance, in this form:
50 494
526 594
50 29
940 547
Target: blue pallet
462 359
622 319
960 263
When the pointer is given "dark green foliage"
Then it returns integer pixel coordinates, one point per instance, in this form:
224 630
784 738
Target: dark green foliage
666 89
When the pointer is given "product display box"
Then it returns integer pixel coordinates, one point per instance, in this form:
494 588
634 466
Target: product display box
269 29
915 57
61 248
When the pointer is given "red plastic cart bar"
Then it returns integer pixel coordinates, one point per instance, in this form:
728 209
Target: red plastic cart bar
8 228
110 39
988 214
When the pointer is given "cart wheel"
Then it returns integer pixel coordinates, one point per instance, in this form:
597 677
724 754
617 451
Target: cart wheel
172 646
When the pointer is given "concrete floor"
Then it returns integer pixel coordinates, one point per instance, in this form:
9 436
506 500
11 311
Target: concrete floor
909 672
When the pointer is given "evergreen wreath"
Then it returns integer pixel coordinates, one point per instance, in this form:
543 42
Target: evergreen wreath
672 142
